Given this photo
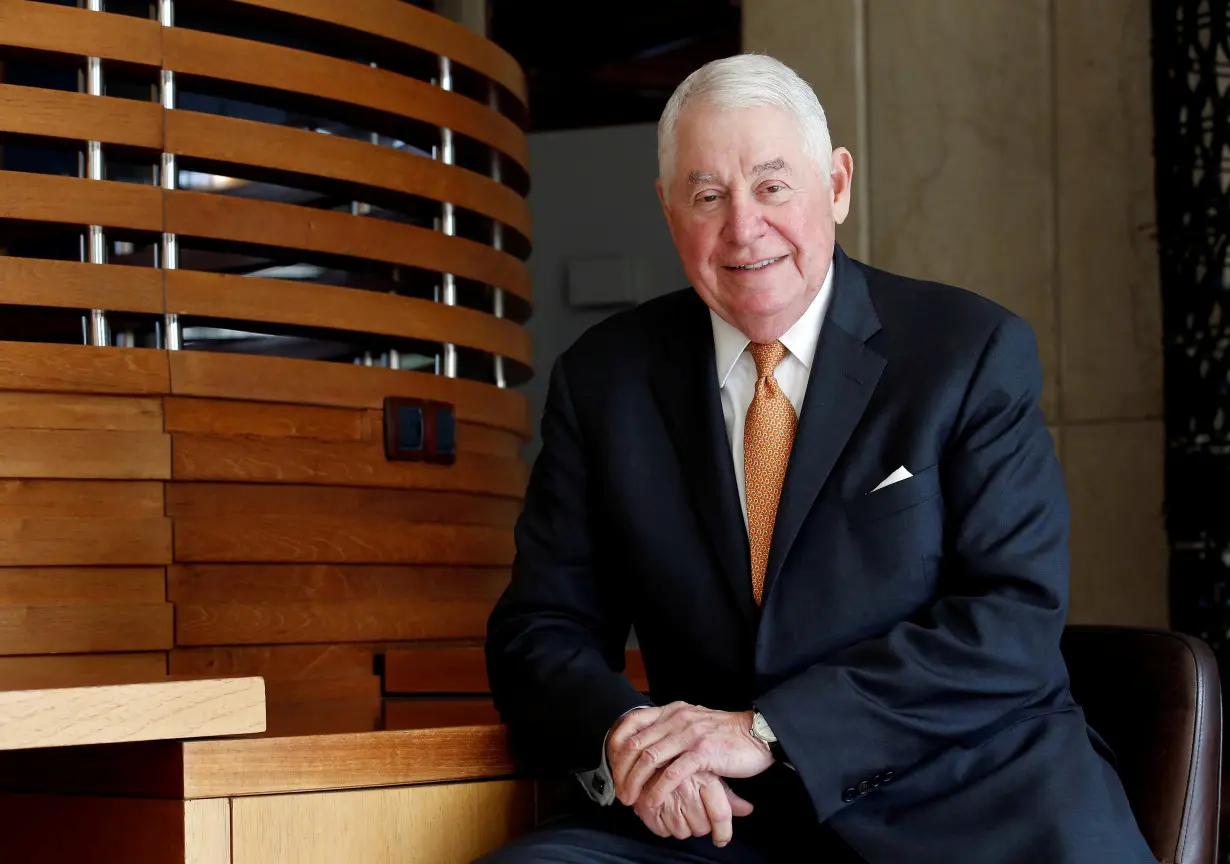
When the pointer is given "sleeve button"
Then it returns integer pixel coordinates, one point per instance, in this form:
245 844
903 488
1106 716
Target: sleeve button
888 776
864 787
849 795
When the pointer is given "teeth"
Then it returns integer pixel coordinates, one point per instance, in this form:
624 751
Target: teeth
758 266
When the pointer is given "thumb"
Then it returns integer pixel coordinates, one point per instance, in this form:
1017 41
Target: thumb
738 806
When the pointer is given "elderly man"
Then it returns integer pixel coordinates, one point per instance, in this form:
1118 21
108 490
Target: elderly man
824 498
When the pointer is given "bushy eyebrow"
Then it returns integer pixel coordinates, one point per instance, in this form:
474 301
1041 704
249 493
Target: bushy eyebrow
777 164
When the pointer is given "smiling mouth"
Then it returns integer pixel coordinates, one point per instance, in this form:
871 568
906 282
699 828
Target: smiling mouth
759 265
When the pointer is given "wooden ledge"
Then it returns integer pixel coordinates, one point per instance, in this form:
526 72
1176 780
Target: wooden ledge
422 741
73 716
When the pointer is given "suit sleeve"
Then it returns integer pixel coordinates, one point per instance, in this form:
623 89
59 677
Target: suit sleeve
556 638
990 644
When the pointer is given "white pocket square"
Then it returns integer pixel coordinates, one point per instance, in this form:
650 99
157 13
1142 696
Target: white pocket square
896 477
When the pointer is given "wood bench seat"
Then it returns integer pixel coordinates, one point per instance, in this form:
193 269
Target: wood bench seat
297 792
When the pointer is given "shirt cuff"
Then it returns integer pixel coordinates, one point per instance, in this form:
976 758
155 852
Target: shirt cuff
599 784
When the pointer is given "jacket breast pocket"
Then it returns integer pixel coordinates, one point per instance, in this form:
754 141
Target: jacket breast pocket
895 498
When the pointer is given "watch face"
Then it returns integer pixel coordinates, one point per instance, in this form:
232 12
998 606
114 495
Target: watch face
761 729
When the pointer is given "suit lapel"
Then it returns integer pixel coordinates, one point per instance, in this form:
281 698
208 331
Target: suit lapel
844 374
685 388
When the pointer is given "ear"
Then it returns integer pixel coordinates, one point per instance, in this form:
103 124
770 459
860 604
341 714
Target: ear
841 178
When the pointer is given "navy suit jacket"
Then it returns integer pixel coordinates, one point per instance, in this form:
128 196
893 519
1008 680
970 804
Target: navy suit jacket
907 649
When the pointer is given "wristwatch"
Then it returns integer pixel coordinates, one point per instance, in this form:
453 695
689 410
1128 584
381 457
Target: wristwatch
762 731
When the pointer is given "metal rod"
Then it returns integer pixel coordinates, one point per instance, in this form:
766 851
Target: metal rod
497 241
99 333
448 220
173 335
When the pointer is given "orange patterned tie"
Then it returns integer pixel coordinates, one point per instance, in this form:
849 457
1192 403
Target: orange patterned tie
768 434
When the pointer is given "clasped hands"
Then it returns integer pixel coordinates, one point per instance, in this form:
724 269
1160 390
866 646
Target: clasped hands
668 764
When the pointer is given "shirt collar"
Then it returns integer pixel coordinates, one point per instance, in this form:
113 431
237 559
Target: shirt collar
800 340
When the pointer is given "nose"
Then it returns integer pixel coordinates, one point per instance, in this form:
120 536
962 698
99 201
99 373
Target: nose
744 222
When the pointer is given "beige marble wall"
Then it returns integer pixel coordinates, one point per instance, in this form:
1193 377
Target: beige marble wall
1005 146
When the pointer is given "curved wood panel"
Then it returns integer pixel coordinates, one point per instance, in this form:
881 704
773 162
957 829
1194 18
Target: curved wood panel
436 670
217 295
390 19
303 583
44 27
82 369
258 64
309 382
300 151
233 623
78 117
82 629
28 542
310 539
81 670
81 498
82 586
472 438
272 662
260 482
200 500
73 201
77 411
265 420
86 455
74 285
249 419
332 463
289 226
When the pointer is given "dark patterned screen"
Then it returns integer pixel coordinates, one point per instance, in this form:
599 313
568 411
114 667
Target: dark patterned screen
1191 55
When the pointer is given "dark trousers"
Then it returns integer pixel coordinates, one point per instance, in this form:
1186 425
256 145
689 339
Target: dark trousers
783 828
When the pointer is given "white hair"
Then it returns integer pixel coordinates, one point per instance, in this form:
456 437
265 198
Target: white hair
748 81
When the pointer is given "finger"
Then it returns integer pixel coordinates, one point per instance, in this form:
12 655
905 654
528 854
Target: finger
672 812
652 817
631 723
644 735
620 753
668 780
651 760
738 806
718 809
640 718
694 807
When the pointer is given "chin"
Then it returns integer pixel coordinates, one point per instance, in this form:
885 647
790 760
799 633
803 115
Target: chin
765 301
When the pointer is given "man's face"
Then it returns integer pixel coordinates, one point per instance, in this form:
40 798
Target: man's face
752 214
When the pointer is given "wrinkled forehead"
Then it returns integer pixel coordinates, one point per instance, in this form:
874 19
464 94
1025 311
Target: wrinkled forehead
715 144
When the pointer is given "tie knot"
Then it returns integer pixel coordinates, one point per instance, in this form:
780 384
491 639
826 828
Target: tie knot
767 355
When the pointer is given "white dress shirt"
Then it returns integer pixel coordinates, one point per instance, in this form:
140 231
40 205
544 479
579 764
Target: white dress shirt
736 371
736 375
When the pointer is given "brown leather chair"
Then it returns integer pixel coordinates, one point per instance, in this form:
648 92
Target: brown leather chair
1155 696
